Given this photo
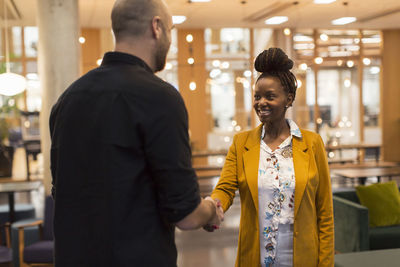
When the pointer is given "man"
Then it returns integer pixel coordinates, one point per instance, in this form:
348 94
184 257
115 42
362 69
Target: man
120 155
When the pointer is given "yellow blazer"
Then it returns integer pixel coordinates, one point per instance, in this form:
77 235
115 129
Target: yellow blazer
313 238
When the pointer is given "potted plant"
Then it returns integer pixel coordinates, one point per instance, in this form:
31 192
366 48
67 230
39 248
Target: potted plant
9 120
6 151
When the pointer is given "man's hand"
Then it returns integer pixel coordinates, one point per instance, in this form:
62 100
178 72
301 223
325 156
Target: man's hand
215 222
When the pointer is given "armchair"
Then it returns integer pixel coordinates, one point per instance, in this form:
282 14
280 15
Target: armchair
5 250
39 253
352 230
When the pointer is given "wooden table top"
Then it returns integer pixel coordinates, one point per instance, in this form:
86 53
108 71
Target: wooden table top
207 168
368 172
207 153
364 165
353 146
7 186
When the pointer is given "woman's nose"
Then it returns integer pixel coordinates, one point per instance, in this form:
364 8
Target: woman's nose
263 101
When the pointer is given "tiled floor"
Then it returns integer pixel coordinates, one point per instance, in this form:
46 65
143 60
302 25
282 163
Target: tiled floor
195 248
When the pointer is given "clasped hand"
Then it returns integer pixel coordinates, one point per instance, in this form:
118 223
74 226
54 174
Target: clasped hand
215 222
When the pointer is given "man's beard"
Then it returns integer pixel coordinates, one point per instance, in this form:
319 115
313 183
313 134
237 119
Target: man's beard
161 53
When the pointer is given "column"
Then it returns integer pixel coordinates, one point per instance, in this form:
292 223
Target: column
58 59
197 100
390 95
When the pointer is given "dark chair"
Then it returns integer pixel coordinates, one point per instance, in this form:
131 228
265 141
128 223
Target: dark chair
5 250
41 252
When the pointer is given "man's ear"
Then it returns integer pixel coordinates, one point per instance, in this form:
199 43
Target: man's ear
156 28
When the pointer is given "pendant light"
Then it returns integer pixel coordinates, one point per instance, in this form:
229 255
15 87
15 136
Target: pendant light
10 83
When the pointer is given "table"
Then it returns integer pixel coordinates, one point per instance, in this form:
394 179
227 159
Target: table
10 187
363 165
208 153
359 147
372 258
363 173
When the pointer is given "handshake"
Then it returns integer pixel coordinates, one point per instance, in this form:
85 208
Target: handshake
217 215
208 214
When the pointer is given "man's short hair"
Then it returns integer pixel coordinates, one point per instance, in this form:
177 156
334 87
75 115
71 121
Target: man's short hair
131 18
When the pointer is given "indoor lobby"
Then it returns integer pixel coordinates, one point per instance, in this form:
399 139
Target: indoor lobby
347 65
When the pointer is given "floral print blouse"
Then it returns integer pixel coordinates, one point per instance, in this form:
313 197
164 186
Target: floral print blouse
276 184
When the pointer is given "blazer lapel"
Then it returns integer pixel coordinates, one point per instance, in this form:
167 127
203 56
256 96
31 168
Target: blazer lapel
301 162
251 158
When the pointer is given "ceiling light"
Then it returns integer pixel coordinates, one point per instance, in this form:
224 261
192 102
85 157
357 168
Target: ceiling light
192 86
318 60
190 60
299 84
339 62
189 38
225 65
82 40
303 66
178 19
214 73
98 62
276 20
350 63
323 2
324 37
347 83
302 38
374 70
343 20
247 73
287 31
372 40
216 63
366 61
10 83
168 66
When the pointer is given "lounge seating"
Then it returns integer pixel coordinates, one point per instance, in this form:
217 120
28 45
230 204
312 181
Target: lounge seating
40 252
352 230
5 250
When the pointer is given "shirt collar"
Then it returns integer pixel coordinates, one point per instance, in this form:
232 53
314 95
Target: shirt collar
294 129
119 57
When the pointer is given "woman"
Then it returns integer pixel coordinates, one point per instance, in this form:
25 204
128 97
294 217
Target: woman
282 175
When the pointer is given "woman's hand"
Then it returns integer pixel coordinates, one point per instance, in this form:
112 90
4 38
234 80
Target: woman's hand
215 222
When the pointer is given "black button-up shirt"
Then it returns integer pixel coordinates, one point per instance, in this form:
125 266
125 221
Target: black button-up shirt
121 167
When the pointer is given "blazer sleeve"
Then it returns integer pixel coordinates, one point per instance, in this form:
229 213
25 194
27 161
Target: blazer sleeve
228 182
324 208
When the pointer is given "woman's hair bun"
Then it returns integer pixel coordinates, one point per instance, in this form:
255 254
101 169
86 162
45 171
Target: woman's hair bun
273 60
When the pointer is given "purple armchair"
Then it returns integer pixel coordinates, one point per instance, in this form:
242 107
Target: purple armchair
5 250
41 252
